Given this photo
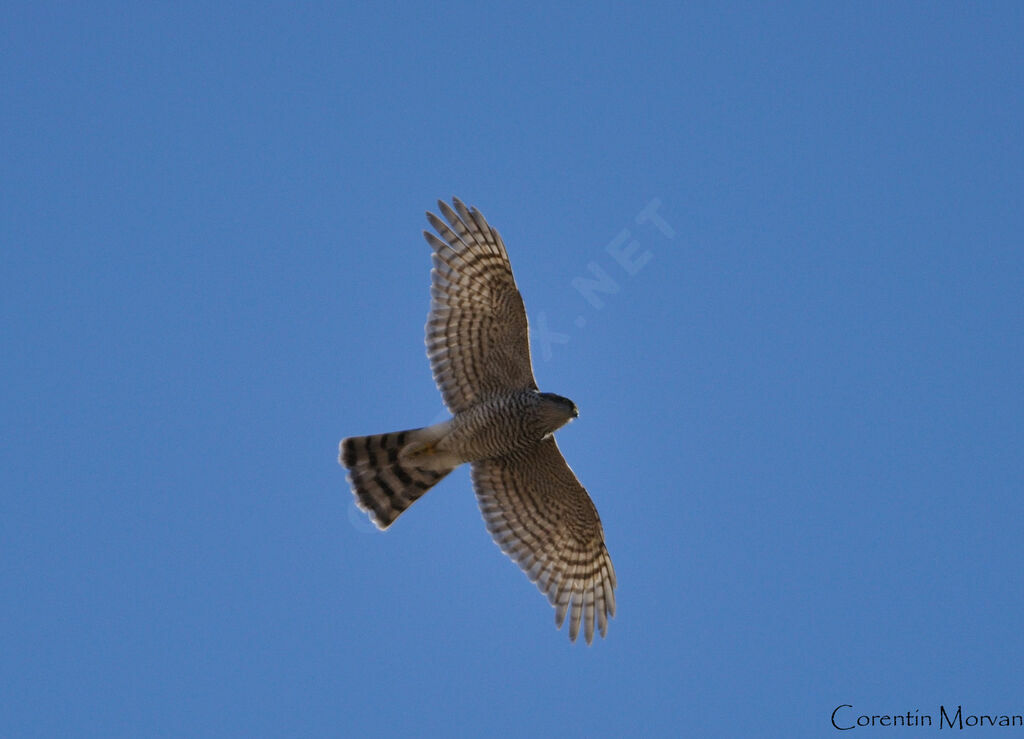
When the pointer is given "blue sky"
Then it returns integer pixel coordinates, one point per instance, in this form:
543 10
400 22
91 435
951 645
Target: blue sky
800 417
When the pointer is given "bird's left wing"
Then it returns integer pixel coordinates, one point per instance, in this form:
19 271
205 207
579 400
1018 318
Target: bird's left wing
541 516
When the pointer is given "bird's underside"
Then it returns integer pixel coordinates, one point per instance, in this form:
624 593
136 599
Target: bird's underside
478 345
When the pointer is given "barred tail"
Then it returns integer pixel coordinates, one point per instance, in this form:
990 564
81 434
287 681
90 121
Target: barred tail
389 472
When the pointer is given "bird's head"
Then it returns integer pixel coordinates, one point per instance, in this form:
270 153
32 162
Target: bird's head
557 410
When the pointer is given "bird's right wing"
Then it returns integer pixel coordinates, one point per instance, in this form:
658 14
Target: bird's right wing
477 335
541 516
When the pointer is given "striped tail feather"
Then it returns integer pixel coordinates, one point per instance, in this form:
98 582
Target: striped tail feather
389 472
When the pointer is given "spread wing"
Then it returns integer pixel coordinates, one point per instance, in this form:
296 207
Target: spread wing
477 335
541 516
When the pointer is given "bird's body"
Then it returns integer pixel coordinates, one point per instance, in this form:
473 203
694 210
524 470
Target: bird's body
532 503
509 425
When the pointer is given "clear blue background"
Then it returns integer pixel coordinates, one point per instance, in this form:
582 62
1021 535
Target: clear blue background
801 420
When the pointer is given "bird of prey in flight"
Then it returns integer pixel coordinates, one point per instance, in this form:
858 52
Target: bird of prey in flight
502 425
